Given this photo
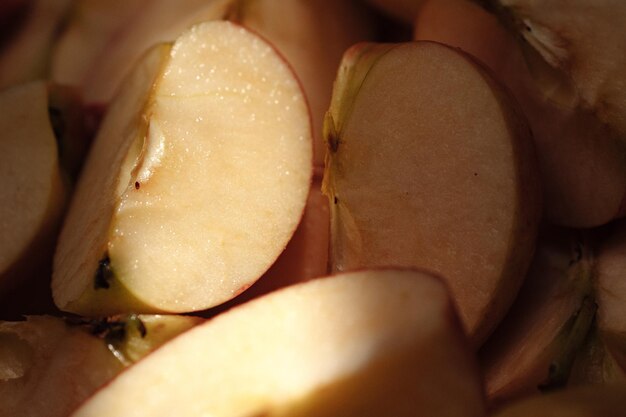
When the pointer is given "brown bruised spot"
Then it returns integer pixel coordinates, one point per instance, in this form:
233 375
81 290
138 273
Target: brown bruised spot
137 185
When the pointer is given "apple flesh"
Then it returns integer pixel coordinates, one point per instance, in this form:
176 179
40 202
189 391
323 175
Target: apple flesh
582 161
48 367
32 190
416 177
196 182
383 342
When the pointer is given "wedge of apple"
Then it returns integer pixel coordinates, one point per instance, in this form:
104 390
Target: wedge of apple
196 182
25 57
32 191
536 344
48 367
582 161
600 400
381 342
417 177
312 35
574 70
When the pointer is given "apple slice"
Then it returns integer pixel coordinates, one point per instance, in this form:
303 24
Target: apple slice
195 184
566 34
48 367
535 345
157 21
25 57
416 177
586 401
595 364
366 343
312 35
32 190
582 162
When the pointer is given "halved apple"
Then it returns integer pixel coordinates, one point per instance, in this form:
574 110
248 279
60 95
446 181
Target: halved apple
367 343
32 191
430 164
195 184
48 367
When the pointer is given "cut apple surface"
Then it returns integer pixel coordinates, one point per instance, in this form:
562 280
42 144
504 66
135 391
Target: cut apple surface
416 176
196 182
366 343
48 367
32 192
581 160
536 343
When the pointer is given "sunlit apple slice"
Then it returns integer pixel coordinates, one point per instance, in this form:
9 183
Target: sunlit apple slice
536 344
195 184
582 162
599 400
48 367
157 21
418 177
26 55
32 192
366 343
313 36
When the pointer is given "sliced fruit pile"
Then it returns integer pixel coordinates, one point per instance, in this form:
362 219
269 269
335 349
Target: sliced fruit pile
312 208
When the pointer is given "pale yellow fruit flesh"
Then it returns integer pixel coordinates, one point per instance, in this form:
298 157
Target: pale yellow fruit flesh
209 195
279 349
31 189
435 171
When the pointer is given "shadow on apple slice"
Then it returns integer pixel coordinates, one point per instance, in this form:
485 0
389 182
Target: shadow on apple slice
48 366
430 164
601 400
195 183
383 342
536 344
